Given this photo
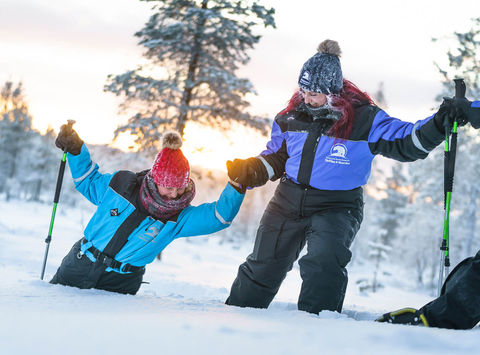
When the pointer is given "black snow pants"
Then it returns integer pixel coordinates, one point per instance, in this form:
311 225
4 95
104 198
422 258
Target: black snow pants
294 217
458 306
79 271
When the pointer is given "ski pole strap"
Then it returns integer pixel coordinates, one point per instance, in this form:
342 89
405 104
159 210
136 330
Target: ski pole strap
109 262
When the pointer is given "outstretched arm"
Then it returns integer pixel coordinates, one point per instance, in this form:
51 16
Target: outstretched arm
404 141
210 217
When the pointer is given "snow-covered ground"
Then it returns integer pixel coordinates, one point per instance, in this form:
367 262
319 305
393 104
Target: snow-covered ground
181 310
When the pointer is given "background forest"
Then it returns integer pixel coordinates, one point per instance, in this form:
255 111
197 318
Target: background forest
192 52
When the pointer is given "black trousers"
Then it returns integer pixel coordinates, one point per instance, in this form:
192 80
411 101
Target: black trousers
79 271
458 306
291 220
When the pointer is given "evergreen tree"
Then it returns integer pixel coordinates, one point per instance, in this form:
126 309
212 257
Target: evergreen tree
466 196
40 165
418 249
15 128
390 208
194 48
385 224
463 62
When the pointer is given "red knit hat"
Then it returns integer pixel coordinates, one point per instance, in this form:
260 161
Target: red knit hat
171 168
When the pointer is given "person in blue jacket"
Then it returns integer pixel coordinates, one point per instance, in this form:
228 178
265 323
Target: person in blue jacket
137 216
322 146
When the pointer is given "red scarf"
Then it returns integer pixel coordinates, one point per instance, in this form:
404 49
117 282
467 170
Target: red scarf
162 208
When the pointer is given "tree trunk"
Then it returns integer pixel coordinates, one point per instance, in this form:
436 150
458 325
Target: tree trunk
190 81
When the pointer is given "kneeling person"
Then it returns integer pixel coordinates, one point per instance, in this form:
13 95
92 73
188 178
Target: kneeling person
138 215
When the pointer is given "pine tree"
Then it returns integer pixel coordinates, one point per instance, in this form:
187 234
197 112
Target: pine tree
15 128
463 62
40 165
193 48
391 207
466 195
418 249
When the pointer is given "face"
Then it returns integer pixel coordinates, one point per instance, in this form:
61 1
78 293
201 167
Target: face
314 99
170 193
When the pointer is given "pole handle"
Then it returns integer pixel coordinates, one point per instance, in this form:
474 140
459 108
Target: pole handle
460 88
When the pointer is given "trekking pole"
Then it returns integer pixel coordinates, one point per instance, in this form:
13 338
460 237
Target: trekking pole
449 169
61 171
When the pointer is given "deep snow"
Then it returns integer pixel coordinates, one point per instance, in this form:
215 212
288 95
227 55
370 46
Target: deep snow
181 310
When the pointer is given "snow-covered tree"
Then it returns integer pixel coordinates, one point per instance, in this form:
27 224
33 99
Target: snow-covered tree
390 209
15 129
418 249
193 50
463 62
466 195
41 164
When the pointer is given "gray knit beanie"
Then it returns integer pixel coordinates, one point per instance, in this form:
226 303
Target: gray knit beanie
322 73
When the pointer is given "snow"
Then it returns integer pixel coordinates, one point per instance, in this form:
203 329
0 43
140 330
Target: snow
182 310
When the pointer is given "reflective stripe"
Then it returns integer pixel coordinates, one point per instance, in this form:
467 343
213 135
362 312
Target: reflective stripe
269 168
86 174
219 217
416 141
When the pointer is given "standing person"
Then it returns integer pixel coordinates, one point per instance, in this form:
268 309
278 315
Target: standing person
322 146
138 215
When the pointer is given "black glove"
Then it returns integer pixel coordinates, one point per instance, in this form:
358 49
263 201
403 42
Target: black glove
68 139
249 172
449 110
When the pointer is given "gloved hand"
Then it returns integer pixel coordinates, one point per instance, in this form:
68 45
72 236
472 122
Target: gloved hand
452 109
68 139
249 172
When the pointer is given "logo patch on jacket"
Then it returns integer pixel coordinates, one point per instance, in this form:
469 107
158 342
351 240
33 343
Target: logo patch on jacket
338 155
114 212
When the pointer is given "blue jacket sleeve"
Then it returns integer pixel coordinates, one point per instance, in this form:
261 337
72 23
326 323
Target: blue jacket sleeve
275 156
403 141
88 180
210 217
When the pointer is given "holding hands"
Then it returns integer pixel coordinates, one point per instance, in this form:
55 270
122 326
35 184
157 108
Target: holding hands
245 173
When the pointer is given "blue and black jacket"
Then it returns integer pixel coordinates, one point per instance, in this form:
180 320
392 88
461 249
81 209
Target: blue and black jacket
119 211
301 148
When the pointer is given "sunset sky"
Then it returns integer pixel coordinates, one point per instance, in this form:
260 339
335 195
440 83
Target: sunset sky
63 52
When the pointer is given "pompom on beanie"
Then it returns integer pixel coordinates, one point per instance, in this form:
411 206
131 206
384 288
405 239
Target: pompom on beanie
322 73
171 168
